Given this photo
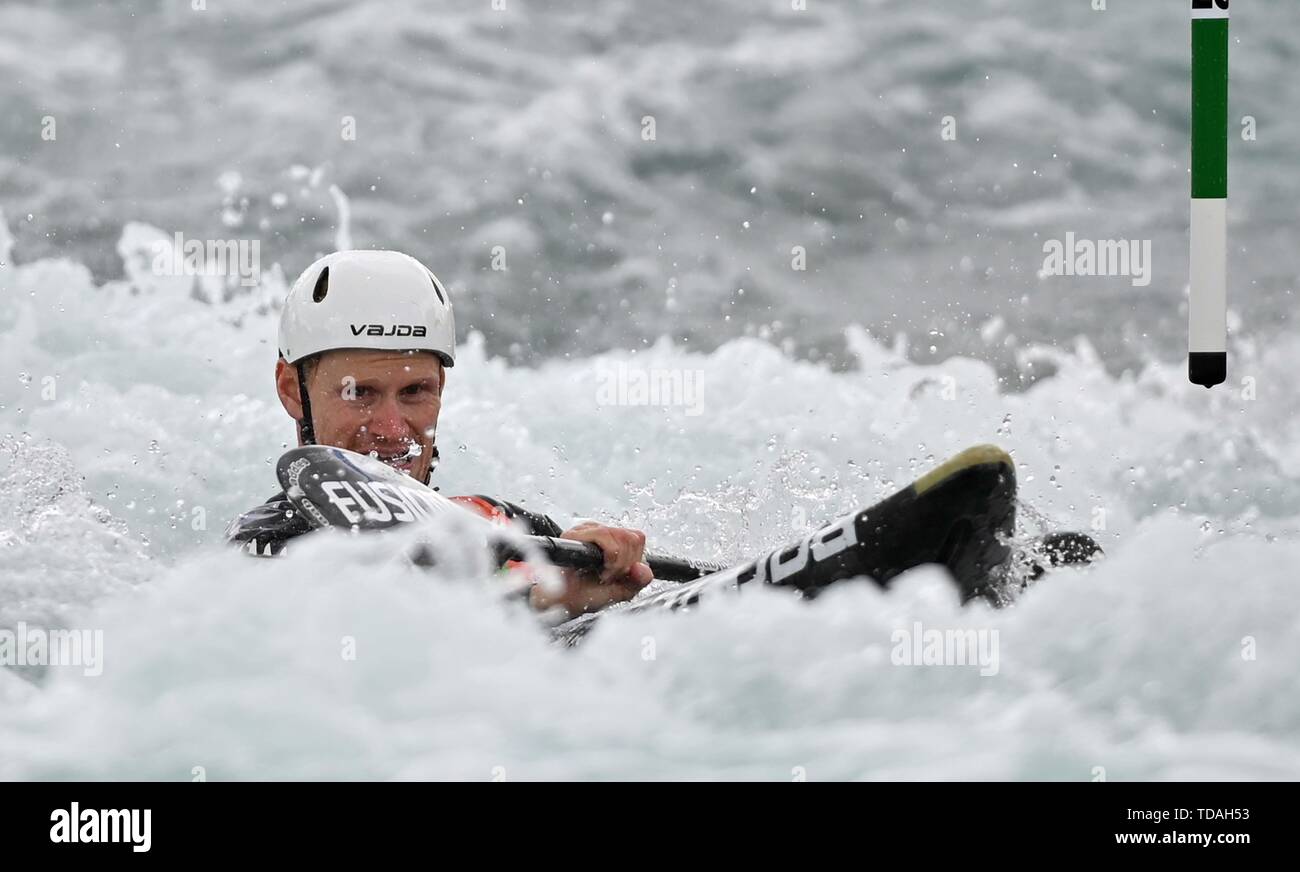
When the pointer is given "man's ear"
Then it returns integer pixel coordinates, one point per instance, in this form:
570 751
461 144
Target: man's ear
286 385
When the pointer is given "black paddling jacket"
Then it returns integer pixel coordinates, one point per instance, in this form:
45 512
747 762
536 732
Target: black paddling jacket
265 530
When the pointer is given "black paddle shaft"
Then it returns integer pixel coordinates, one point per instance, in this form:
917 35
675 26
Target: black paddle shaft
587 555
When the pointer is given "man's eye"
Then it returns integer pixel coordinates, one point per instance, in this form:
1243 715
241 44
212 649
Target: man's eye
361 392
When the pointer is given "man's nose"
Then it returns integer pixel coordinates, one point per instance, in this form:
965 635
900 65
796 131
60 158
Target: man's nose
387 421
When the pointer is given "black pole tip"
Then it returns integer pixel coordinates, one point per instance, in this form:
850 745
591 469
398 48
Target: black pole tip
1207 368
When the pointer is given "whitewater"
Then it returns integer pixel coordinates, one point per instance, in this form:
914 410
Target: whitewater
137 416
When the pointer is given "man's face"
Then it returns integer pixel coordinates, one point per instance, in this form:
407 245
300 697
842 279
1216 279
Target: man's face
384 403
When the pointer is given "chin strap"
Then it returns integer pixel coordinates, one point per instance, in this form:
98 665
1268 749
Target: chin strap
306 432
433 464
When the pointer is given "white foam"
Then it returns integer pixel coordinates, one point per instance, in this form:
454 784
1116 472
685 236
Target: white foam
163 405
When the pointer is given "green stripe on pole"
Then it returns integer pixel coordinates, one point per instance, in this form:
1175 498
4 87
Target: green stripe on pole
1210 108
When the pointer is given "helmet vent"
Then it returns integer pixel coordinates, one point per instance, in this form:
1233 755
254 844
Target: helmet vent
437 290
322 286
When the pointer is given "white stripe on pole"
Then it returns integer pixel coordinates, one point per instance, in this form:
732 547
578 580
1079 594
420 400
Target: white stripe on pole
1207 318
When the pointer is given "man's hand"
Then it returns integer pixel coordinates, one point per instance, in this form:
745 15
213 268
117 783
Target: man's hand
625 572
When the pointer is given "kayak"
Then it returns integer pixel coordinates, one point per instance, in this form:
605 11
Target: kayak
960 515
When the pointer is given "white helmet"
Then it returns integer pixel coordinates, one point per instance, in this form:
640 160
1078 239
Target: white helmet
384 300
367 299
